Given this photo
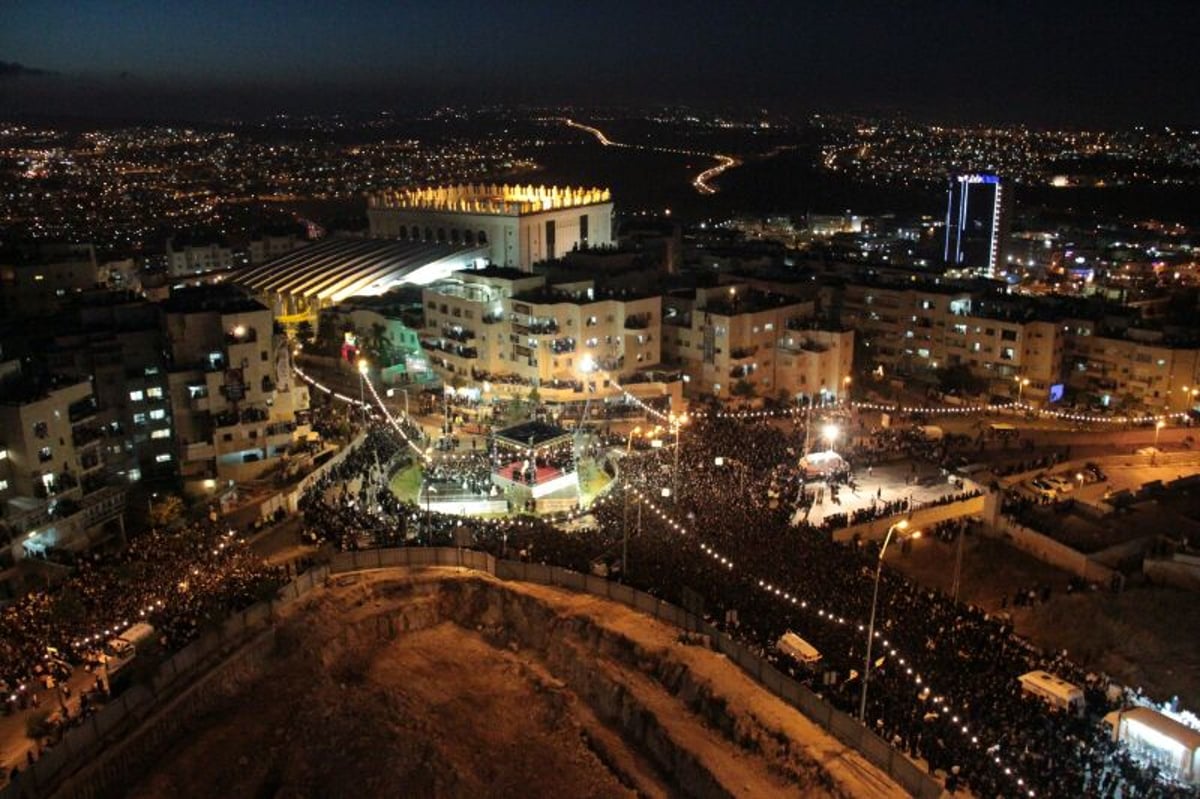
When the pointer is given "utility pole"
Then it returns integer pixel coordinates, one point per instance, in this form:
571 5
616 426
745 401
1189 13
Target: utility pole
625 535
958 560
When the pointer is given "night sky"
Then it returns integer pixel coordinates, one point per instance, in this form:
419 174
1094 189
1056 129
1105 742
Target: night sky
1043 62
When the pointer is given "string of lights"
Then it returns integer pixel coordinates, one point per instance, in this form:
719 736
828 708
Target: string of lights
925 692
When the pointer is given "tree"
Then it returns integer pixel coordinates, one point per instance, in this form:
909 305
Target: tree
164 512
305 333
743 388
959 379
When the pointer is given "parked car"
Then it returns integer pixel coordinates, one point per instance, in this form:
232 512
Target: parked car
1040 487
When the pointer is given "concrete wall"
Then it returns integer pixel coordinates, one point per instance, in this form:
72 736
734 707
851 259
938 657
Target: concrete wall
918 519
101 757
1048 550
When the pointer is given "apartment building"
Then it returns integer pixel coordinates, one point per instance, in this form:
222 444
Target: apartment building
39 280
52 488
1140 370
732 339
115 339
235 405
186 257
908 329
500 327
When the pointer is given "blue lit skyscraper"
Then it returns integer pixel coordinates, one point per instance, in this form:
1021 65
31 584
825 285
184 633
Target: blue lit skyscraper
977 216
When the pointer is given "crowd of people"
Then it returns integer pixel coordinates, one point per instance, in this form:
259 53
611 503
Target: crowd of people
179 581
944 685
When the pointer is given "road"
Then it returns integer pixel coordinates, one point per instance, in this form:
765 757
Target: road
702 183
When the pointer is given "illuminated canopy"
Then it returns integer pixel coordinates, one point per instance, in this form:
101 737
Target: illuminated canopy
337 268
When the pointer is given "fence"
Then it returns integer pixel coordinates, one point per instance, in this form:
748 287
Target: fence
105 768
920 517
88 745
843 727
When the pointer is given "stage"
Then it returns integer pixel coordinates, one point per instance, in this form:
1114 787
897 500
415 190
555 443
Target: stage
525 479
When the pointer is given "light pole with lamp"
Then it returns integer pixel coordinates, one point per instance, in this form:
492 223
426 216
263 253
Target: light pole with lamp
1021 383
363 366
830 433
901 525
676 422
720 461
846 381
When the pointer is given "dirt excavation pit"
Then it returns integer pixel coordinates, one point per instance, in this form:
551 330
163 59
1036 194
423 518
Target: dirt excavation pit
441 683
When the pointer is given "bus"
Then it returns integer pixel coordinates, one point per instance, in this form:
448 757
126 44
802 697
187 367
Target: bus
1054 691
798 649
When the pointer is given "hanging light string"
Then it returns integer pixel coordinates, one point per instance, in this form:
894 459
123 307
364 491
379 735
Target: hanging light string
937 701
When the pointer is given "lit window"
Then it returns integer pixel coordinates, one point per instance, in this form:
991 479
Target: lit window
162 457
136 396
45 454
3 454
154 392
163 433
3 485
139 418
135 475
158 413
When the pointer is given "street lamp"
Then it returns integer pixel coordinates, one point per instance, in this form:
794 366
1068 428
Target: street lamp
901 525
363 366
1158 426
676 421
830 433
720 461
846 381
1021 383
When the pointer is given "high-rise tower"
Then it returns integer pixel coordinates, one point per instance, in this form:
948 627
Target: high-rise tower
977 218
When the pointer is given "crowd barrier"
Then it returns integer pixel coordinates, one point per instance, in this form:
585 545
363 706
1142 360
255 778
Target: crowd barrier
86 746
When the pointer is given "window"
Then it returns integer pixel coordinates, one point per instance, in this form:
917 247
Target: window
45 454
162 457
163 433
1008 335
3 485
264 356
154 392
1007 353
158 413
139 418
136 396
3 454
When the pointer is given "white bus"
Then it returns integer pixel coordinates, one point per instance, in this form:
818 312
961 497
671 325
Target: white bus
798 649
1056 692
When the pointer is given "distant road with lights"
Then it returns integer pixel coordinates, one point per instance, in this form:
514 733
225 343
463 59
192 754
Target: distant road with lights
701 183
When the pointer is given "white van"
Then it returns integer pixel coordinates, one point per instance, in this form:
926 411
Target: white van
119 651
1056 692
798 649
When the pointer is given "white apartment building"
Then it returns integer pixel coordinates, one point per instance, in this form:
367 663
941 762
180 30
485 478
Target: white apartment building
234 399
730 334
501 329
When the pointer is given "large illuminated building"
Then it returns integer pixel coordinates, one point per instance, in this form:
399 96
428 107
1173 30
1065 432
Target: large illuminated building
520 225
978 207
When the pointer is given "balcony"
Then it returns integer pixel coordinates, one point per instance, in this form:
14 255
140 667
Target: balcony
85 436
83 410
460 335
741 353
247 416
562 346
637 322
540 327
248 336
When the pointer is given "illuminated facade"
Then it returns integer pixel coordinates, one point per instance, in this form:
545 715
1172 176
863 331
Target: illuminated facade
520 225
977 217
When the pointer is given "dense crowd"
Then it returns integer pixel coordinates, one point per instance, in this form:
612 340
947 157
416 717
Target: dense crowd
944 687
177 580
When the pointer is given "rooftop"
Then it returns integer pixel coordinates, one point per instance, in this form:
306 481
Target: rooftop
218 298
337 268
492 199
531 434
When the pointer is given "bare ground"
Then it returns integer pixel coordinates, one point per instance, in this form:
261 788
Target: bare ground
449 685
1141 637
